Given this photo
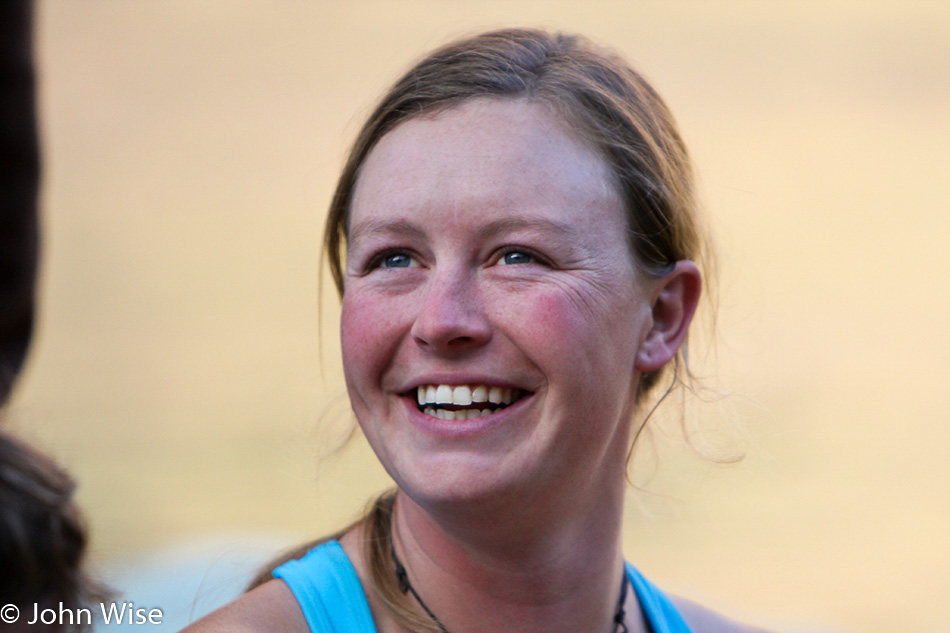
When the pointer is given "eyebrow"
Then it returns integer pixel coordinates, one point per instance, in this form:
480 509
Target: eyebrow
512 223
374 227
508 224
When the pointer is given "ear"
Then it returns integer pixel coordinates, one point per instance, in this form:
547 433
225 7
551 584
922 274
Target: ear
675 299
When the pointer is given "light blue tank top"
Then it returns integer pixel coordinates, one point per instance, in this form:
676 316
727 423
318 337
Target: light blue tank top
330 594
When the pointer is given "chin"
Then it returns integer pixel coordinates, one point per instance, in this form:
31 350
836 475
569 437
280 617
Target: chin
449 484
460 486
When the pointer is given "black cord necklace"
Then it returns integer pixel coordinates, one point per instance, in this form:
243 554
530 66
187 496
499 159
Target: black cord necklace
405 586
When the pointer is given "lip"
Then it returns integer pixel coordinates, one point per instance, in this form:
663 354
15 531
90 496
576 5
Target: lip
464 428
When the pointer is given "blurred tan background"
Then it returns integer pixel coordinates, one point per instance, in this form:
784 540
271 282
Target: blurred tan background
189 153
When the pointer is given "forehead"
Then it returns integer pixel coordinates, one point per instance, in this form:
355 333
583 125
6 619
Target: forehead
490 154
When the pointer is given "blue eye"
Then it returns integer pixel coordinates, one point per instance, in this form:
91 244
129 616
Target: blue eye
518 257
396 260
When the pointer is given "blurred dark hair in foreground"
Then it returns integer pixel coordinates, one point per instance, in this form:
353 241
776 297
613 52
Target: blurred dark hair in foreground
19 186
42 535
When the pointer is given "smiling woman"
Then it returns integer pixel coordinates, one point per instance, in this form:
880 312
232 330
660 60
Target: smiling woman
550 306
515 243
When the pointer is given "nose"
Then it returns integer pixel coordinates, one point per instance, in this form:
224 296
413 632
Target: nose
451 318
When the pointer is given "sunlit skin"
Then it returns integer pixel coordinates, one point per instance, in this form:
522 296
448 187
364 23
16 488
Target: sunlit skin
486 245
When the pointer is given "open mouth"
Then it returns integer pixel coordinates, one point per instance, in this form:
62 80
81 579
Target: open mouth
464 402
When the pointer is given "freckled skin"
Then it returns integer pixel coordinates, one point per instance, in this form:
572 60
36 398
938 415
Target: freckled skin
565 325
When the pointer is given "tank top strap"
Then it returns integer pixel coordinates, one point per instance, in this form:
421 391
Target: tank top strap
329 592
328 589
659 612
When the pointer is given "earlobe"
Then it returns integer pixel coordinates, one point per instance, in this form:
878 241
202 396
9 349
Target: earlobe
673 308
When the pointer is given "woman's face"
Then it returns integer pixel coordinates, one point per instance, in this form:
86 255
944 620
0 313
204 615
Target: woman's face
492 311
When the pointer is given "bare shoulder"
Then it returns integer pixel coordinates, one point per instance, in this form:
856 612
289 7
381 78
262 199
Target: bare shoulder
703 620
270 608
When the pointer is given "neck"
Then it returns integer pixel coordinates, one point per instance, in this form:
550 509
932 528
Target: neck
529 568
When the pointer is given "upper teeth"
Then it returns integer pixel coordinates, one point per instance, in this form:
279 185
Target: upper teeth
463 395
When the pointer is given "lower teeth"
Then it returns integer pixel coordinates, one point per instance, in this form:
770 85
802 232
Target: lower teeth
462 414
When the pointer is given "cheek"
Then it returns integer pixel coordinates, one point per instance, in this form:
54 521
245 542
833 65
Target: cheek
551 333
574 324
366 337
552 319
585 346
588 363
